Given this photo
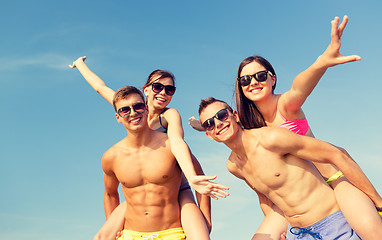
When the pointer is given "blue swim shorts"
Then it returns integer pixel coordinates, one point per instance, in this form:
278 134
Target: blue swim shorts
333 227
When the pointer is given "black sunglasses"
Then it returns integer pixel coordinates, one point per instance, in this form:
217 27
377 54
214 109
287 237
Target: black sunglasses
158 87
222 115
259 76
125 111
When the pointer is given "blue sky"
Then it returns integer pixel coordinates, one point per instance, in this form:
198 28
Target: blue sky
55 128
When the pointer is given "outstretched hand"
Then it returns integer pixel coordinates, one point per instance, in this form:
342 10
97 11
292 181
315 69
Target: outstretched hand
195 124
332 55
80 59
203 185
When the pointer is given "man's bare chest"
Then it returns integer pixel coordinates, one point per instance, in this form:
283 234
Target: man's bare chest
265 172
134 169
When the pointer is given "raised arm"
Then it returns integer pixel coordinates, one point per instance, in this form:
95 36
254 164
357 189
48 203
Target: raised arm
285 142
94 81
179 148
305 82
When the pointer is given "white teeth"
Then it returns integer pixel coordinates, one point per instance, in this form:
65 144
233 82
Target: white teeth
223 130
160 99
136 120
256 90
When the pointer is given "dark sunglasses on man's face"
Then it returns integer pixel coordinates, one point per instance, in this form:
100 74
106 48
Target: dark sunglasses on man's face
125 111
158 87
259 76
222 115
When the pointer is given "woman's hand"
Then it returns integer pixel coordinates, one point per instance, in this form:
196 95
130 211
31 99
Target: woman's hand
203 185
79 60
195 124
332 56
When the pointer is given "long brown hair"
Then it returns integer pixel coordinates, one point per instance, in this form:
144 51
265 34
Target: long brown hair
249 114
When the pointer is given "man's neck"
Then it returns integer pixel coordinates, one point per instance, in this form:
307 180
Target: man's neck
139 138
236 143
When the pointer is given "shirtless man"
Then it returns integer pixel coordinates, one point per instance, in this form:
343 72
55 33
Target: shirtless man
148 172
271 161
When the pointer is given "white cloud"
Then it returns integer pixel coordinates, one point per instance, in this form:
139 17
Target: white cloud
45 60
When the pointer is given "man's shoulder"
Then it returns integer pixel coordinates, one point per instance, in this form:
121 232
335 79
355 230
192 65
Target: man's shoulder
259 133
114 150
268 136
233 169
268 132
111 153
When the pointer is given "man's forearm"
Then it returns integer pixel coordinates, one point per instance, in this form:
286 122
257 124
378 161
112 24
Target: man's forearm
110 202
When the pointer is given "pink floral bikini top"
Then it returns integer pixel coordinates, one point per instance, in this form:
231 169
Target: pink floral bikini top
299 126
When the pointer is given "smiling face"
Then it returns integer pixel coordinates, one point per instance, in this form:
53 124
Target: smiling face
225 129
134 121
158 100
257 91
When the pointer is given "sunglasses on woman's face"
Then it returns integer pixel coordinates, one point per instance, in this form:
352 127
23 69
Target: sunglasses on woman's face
222 115
158 87
259 76
125 111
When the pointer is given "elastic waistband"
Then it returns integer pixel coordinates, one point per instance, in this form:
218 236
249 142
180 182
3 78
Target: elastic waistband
330 219
148 234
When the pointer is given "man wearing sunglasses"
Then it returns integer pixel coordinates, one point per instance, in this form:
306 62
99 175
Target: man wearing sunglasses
148 172
271 161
